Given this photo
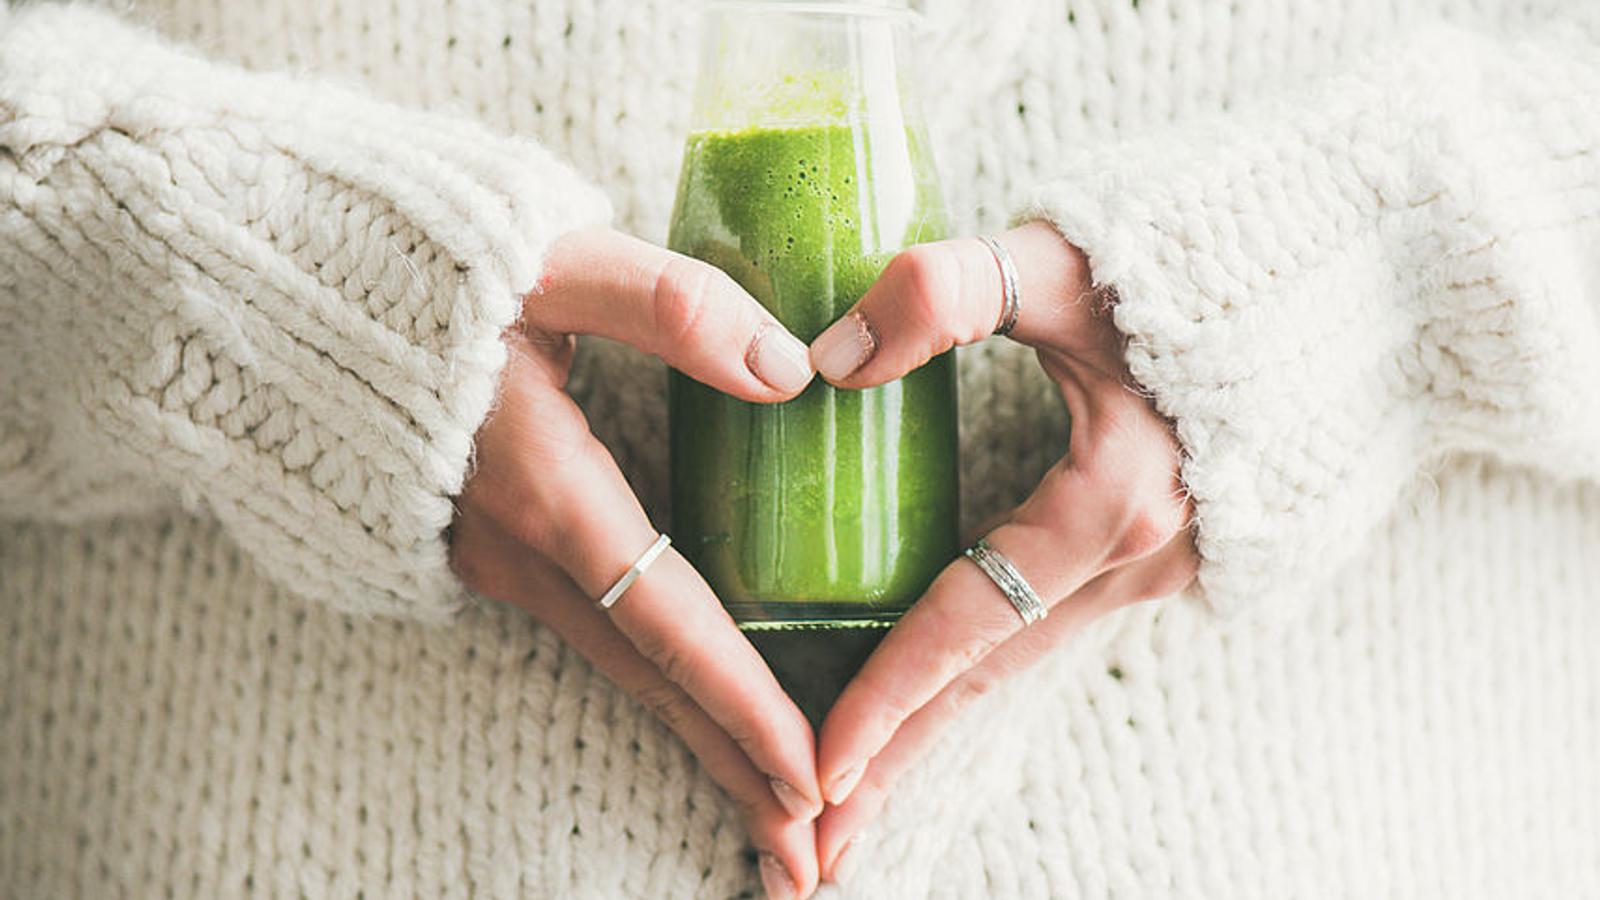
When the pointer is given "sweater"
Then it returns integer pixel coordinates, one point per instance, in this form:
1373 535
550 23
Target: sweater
254 267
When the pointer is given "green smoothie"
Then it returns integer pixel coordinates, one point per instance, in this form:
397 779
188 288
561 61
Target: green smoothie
838 508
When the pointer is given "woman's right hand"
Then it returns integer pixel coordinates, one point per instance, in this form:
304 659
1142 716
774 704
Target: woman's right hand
547 523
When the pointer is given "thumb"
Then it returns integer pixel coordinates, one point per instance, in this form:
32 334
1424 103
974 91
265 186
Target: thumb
936 296
692 315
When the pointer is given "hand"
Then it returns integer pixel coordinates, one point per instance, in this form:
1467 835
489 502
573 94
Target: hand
547 522
1106 527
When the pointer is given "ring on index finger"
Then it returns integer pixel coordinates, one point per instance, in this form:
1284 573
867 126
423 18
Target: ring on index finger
634 571
1024 599
1010 286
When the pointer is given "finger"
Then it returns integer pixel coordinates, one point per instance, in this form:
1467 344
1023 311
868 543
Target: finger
839 824
498 566
1114 499
1158 576
961 618
550 484
1079 523
689 313
937 296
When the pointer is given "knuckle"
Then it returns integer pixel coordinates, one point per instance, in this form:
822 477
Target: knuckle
667 703
970 689
1048 514
761 813
681 298
561 435
671 660
676 666
751 811
869 793
972 649
544 497
929 279
535 526
744 740
892 711
977 629
535 517
1148 523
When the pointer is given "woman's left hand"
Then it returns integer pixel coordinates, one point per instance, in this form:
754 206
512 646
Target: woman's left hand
1106 527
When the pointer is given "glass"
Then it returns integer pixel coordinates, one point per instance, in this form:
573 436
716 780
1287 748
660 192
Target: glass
820 520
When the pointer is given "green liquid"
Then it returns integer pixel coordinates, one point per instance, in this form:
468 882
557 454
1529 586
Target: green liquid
837 508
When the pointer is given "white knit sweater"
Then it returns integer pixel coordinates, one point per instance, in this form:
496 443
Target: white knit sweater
249 323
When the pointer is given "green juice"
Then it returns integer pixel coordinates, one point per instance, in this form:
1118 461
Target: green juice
820 520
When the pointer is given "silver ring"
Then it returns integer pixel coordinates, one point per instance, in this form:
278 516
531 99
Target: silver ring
1010 286
1011 583
634 571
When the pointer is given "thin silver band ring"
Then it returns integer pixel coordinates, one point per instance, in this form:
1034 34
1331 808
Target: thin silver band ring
634 571
1010 286
1010 581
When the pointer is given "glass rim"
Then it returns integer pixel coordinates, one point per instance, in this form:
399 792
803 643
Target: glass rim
814 8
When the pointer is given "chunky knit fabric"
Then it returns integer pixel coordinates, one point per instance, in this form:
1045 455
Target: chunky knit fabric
1331 289
279 300
251 322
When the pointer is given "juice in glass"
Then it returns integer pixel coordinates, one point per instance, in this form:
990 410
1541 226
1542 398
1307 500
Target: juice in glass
820 520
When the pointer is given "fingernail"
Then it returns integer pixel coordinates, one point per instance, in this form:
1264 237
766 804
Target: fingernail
844 347
845 783
793 801
779 359
775 879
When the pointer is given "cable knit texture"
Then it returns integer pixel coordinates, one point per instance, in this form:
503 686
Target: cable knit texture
260 265
1331 290
281 300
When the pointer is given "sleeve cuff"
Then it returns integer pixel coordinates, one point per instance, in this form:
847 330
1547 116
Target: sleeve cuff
307 290
1263 321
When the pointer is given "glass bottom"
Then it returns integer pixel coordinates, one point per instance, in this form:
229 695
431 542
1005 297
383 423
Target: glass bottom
814 661
758 616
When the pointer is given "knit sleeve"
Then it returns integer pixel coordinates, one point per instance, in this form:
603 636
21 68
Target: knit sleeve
1332 293
278 301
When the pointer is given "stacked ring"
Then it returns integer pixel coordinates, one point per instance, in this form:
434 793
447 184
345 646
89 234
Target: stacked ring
1024 599
1010 286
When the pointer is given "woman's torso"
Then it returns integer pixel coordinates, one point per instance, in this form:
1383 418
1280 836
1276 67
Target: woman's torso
174 723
